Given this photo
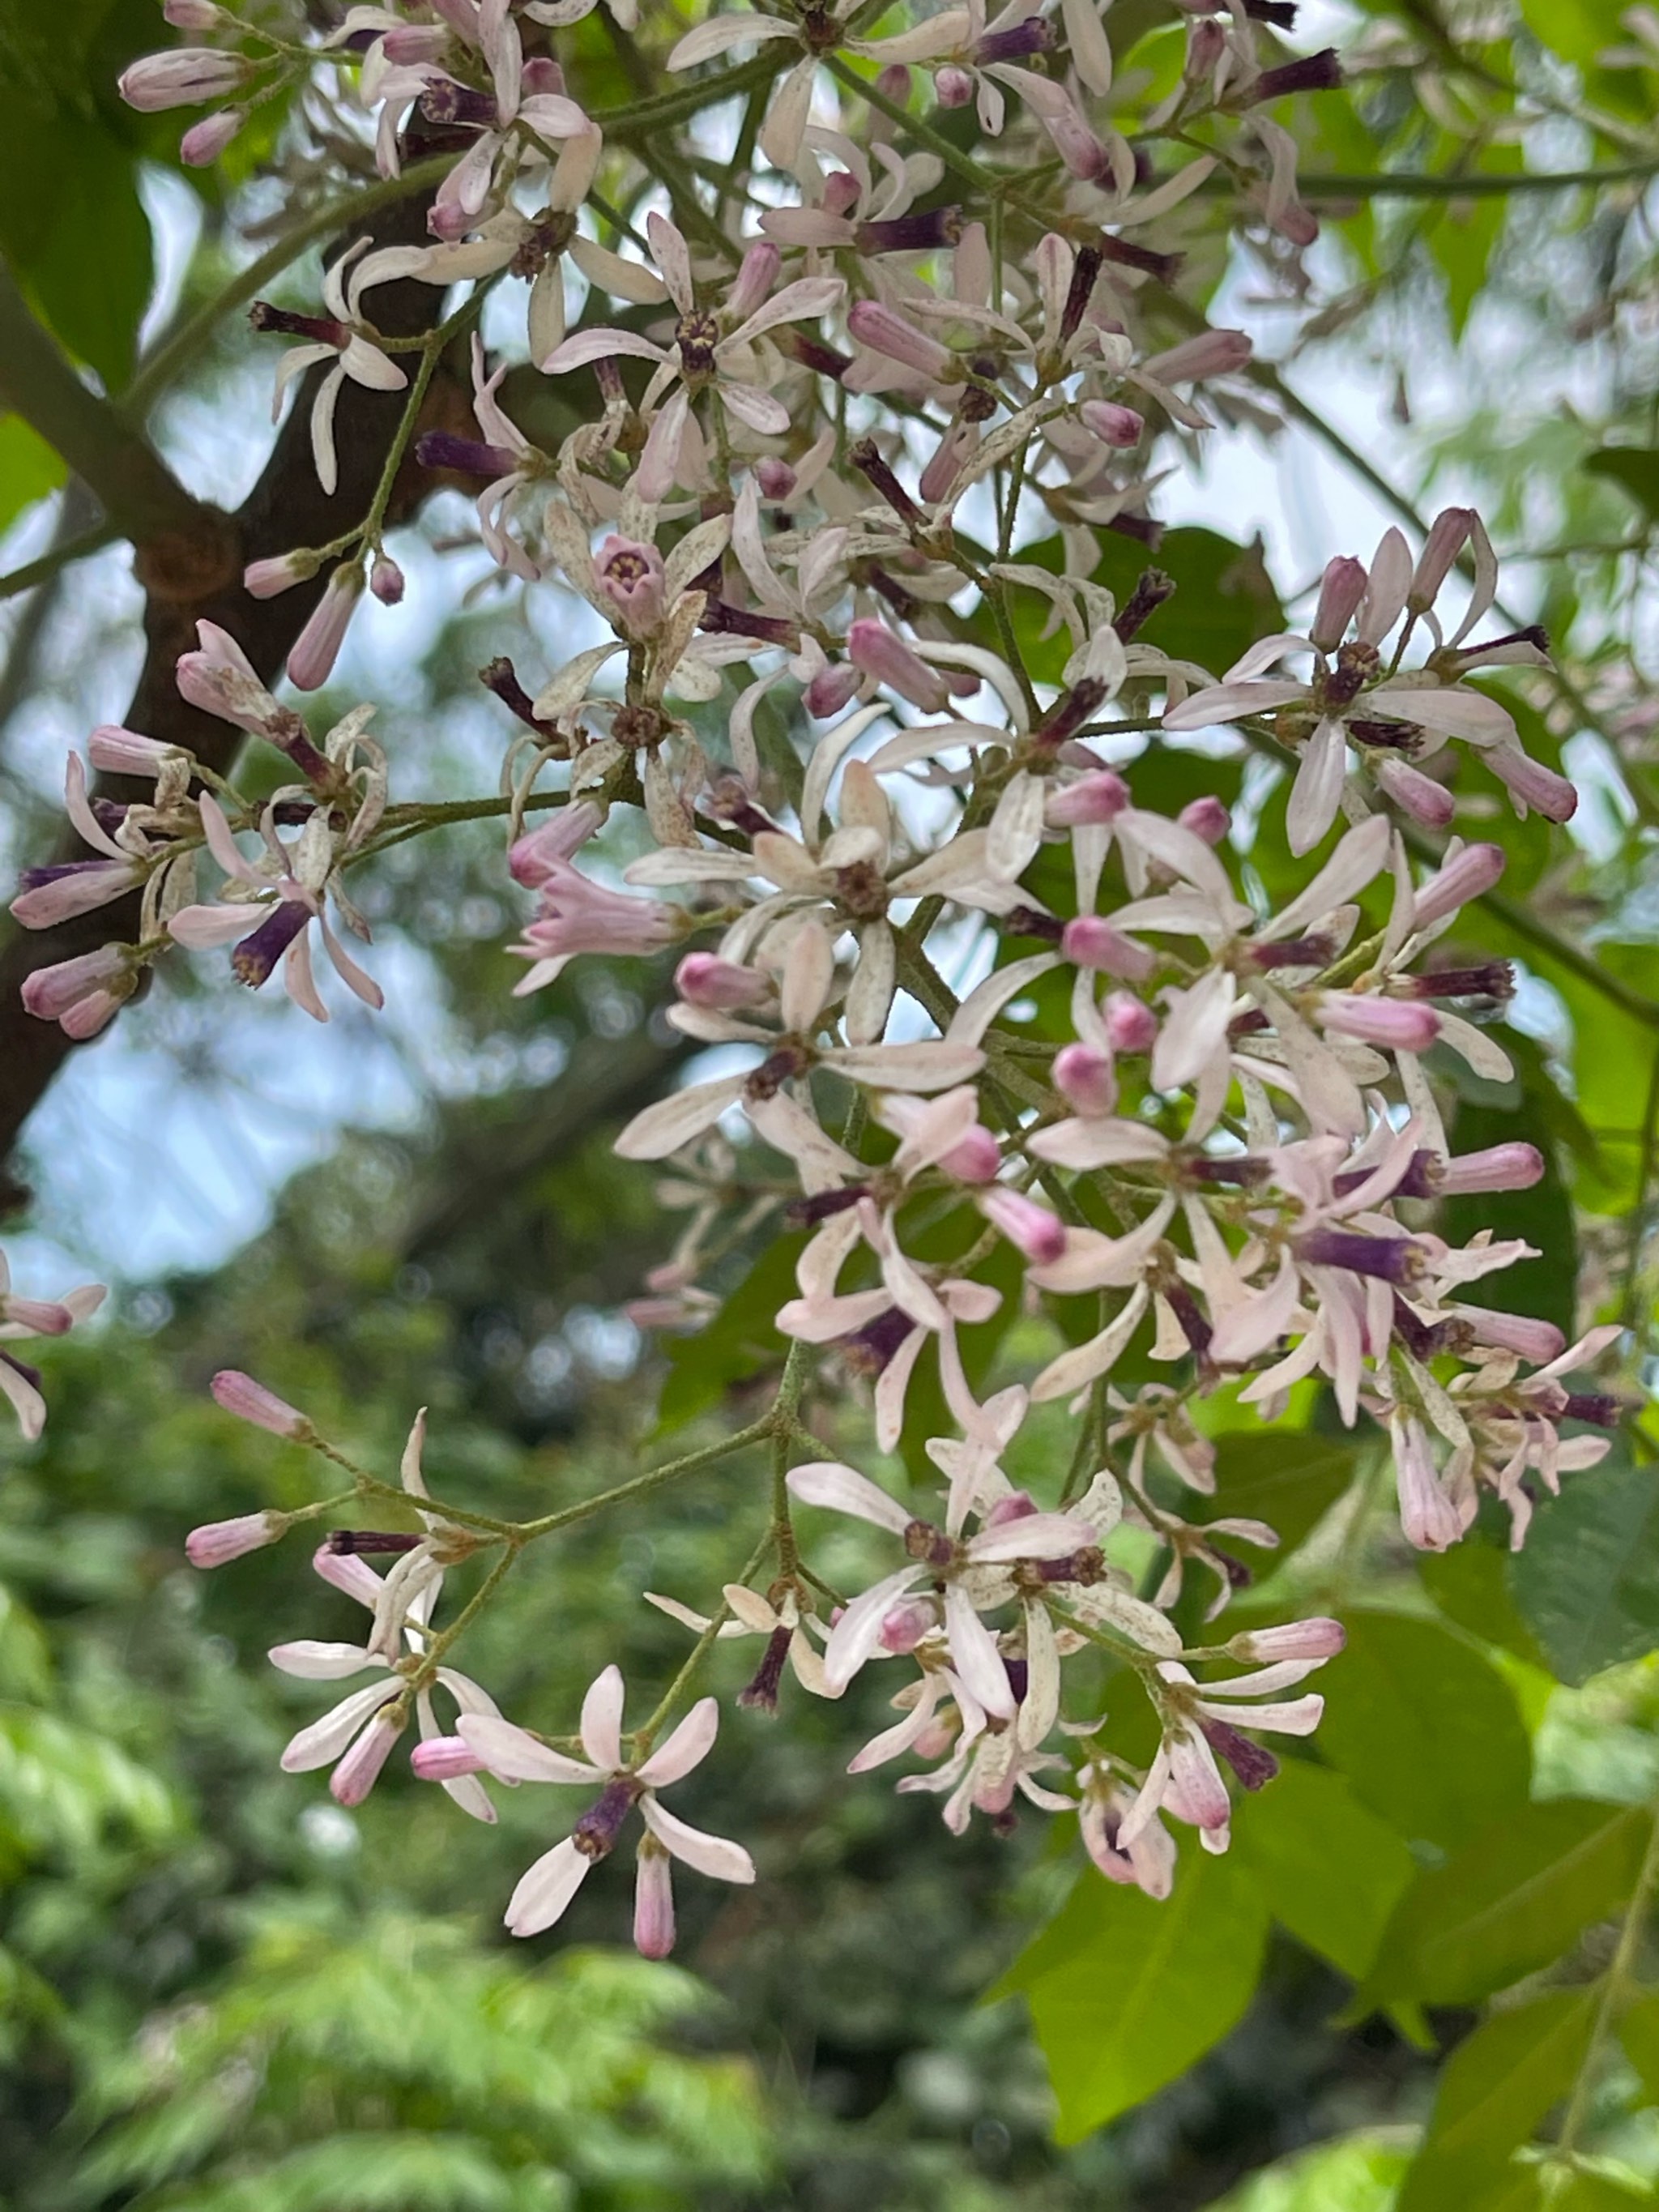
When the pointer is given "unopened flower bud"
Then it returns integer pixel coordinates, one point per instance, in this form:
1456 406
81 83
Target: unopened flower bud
775 478
1418 795
1474 871
191 15
1499 1167
654 1900
1445 541
216 1541
249 1401
386 581
279 572
1091 941
357 1772
1316 1638
1396 1024
116 751
444 1759
203 143
1341 588
311 657
952 87
894 82
1532 784
881 653
1212 353
1539 1342
887 332
756 275
1130 1026
830 689
83 993
903 1626
1086 1078
532 859
702 978
1112 424
1100 796
1035 1232
1207 818
190 77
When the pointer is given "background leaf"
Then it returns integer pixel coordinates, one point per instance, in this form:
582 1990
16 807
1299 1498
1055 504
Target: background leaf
1587 1581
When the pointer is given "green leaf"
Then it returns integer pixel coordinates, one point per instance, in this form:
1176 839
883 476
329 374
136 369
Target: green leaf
1355 2173
28 468
740 1343
1462 239
1470 1585
1634 469
1543 1217
1515 1898
1326 1870
89 270
1496 2088
1125 1994
1426 1730
1587 1581
1638 2031
1288 1479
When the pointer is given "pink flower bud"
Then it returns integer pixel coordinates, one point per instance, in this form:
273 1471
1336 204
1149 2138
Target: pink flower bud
1038 1234
894 82
1341 590
952 87
776 478
880 652
1420 795
1427 1516
1017 1505
1131 1026
59 893
1086 1078
903 1626
411 44
533 858
1532 784
1500 1167
117 751
1207 818
1212 353
216 1541
830 689
1099 797
630 577
203 143
55 993
976 1156
757 273
1091 941
386 581
702 978
654 1900
1445 541
190 77
1474 870
1316 1638
249 1401
265 580
886 332
444 1759
1539 1342
360 1769
1396 1024
1112 424
191 15
311 657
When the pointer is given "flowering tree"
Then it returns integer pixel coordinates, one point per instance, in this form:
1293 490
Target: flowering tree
1088 1114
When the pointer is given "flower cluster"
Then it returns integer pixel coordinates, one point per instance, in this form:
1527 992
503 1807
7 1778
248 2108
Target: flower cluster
830 457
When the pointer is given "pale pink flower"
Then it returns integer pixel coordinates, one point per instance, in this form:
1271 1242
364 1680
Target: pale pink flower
546 1889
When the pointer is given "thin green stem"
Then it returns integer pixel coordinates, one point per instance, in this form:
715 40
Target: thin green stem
644 1737
1618 1986
641 1486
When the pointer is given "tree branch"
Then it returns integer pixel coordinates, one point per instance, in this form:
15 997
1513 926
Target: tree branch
186 579
133 485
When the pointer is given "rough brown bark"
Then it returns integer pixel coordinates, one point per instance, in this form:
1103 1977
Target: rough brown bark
195 575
